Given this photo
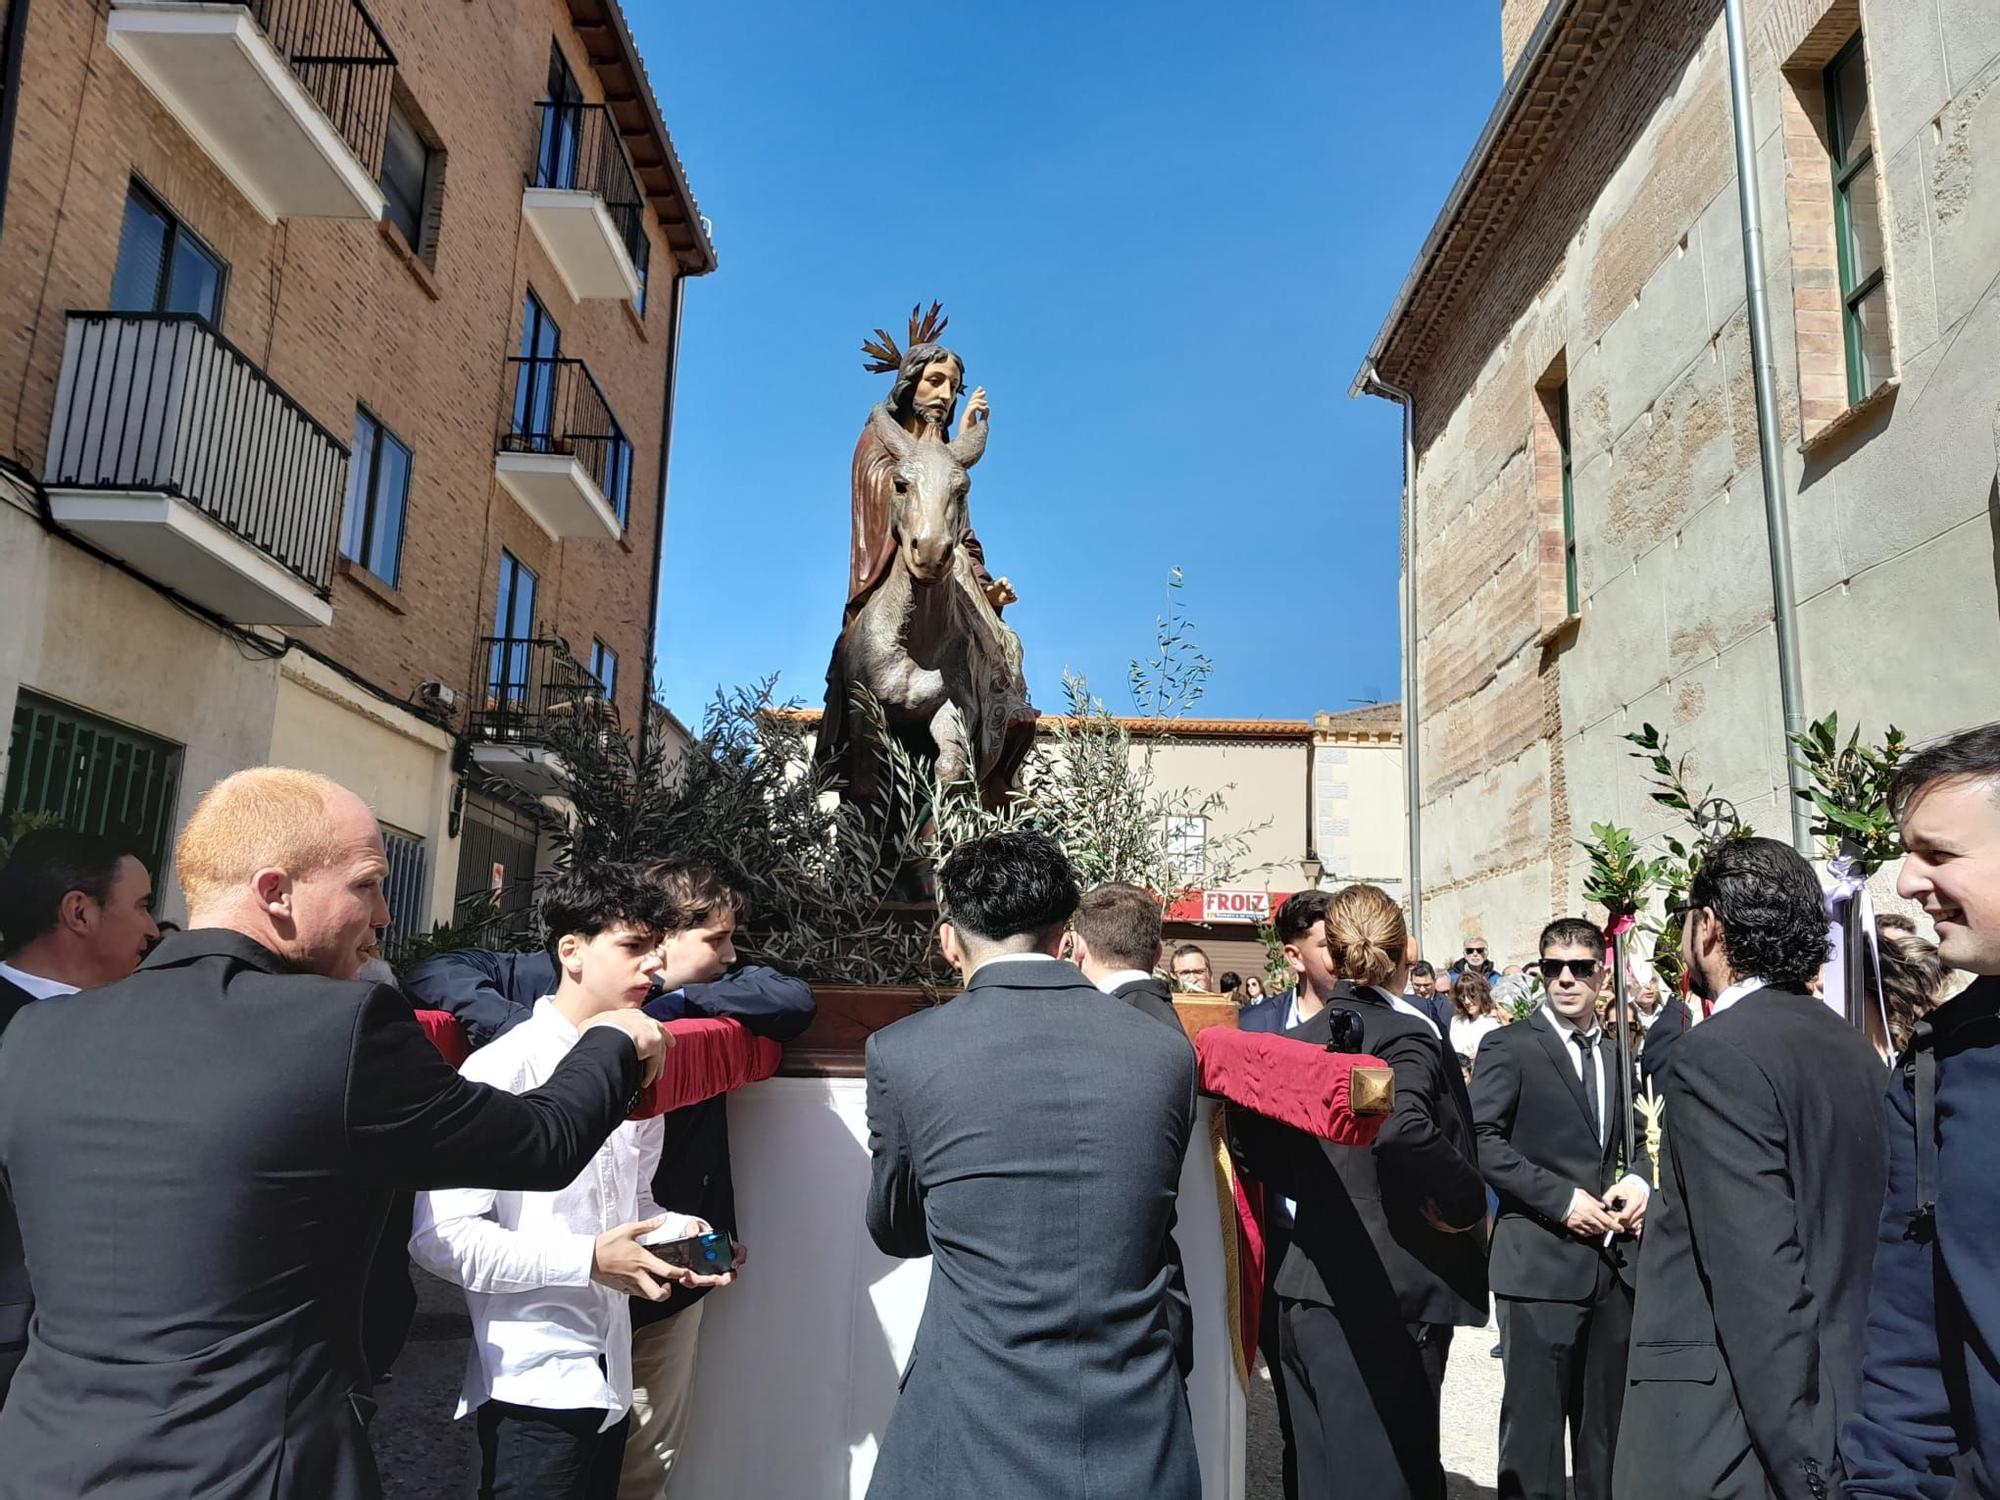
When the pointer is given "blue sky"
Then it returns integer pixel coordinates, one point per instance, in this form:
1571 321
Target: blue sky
1164 233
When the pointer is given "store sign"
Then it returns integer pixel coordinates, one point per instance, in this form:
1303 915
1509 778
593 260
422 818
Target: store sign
1249 907
499 879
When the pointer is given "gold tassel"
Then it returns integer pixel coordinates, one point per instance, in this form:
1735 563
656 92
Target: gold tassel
1232 1261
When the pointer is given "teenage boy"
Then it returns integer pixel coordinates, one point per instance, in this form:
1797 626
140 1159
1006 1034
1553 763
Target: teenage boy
546 1275
1545 1100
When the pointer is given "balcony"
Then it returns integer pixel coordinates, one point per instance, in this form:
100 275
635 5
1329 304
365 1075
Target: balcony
583 202
290 98
528 697
173 452
564 456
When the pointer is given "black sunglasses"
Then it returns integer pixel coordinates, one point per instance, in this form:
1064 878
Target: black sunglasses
1582 968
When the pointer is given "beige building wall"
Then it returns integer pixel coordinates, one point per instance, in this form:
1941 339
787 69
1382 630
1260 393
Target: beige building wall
1262 783
1894 519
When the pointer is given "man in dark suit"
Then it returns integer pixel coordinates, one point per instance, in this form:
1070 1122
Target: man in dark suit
1029 1135
76 911
1929 1420
1384 1258
1423 996
1753 1285
1115 940
201 1156
1545 1105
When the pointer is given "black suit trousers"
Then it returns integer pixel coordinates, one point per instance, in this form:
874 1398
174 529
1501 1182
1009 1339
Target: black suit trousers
1362 1387
1270 1345
1564 1364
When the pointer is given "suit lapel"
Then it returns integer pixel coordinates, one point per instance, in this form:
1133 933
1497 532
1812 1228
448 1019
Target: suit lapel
1557 1046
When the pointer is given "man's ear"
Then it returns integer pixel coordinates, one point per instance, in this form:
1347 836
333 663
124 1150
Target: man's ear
76 912
1159 954
1074 948
949 945
1292 958
273 890
569 954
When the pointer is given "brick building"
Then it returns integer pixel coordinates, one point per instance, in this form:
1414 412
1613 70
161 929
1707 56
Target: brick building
1586 531
337 356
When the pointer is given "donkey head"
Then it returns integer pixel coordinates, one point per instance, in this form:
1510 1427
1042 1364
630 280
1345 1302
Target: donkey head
929 512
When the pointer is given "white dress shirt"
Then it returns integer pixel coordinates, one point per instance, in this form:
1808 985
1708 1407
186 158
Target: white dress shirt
1734 993
1599 1042
34 984
543 1333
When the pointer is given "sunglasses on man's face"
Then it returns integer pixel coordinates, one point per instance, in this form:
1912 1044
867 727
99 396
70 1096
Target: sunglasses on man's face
1475 953
1582 968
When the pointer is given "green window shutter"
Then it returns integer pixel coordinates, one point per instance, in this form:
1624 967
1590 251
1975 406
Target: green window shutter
93 775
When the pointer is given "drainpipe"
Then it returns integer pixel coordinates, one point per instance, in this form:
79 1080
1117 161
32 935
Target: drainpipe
1777 516
1412 782
660 520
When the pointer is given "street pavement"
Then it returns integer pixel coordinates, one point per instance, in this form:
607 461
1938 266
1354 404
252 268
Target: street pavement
424 1455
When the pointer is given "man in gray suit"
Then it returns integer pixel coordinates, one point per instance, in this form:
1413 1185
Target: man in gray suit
1029 1136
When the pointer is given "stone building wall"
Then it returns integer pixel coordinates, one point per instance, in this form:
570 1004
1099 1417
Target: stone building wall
1895 535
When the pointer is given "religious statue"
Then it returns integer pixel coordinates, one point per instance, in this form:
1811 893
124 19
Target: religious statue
922 634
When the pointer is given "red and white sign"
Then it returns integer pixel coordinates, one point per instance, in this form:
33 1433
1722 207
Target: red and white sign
1250 907
499 879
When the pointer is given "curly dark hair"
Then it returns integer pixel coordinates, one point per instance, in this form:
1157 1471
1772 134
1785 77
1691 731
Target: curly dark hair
1769 903
1006 884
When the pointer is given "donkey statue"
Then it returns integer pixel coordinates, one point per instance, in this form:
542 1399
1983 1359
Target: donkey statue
925 645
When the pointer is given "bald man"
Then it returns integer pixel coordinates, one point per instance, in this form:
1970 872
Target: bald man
201 1157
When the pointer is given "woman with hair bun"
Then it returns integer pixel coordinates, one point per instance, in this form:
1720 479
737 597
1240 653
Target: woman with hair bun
1385 1257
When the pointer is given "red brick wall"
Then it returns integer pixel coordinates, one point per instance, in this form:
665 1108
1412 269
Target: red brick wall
335 314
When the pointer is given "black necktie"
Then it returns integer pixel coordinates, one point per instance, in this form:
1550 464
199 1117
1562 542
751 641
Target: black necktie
1587 1047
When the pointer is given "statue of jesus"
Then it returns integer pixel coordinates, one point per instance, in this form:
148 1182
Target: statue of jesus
923 401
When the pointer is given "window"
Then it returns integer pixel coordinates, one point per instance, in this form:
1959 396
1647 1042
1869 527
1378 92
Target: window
642 262
1857 212
378 491
13 36
1187 845
93 775
407 888
412 179
562 123
535 380
514 626
1559 412
162 266
618 477
604 667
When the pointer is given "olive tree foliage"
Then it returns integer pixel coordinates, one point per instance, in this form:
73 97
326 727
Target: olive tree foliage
1094 787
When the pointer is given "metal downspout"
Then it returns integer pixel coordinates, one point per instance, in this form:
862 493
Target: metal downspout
1412 781
660 520
1777 514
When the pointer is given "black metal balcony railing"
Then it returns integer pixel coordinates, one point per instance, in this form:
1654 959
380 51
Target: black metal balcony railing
559 409
338 53
162 402
526 691
577 147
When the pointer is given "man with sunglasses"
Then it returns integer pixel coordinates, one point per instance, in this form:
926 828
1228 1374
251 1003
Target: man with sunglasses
1563 1259
1476 960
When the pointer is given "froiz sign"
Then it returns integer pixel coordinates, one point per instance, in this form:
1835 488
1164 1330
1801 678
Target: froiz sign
1236 906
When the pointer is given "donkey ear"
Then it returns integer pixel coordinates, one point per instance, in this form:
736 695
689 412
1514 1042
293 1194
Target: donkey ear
970 445
888 432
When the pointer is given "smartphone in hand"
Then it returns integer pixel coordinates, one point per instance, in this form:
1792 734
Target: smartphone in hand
710 1254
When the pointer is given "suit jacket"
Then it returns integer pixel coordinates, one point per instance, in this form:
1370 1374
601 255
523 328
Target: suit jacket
201 1156
1753 1279
490 993
17 1301
1361 1231
1029 1135
1438 1008
1661 1036
1153 998
1929 1422
1537 1145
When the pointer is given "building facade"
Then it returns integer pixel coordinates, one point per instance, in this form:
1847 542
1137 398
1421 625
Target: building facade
337 350
1586 532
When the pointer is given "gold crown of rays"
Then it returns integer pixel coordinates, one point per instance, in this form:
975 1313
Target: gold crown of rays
925 328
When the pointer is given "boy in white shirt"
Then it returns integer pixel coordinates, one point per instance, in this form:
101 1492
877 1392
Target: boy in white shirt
546 1275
